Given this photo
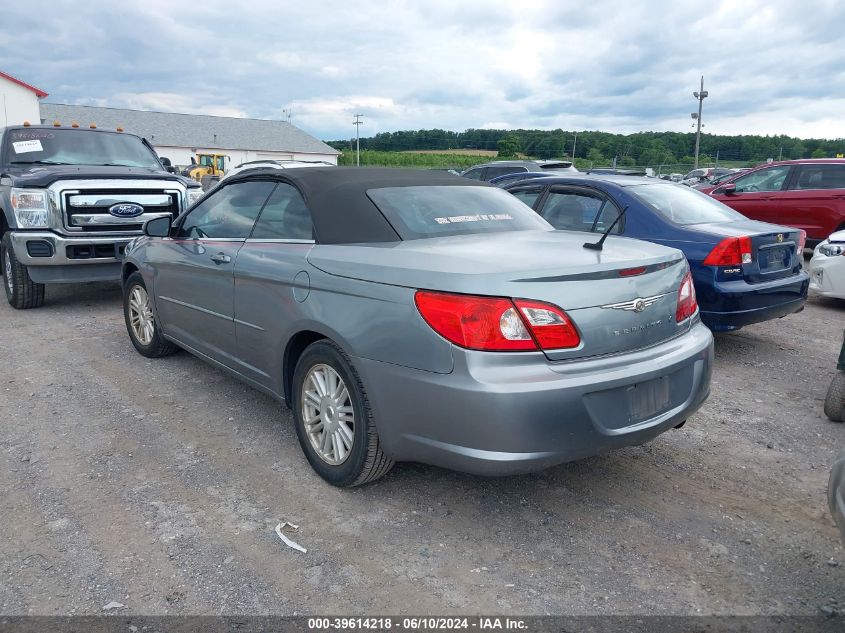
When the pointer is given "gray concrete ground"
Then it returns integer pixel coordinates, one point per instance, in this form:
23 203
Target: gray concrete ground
158 484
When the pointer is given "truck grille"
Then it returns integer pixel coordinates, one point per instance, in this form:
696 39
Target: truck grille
88 210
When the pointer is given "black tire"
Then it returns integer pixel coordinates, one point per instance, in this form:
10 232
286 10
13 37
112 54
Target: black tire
834 403
21 291
158 346
366 461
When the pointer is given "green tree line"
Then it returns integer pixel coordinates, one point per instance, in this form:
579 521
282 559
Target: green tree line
410 159
641 148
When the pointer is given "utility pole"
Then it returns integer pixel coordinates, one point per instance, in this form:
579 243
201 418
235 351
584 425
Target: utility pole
701 95
574 141
357 123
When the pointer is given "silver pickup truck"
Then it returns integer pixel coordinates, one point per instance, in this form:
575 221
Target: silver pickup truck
71 199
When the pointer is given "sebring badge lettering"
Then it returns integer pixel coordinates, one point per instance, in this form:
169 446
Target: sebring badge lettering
636 329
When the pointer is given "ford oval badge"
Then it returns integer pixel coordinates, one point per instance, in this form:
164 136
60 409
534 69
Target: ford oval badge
126 210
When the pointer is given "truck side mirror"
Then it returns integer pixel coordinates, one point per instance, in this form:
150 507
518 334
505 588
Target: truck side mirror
158 227
167 164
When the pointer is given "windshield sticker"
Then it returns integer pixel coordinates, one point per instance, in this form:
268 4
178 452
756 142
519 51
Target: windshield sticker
22 135
22 147
459 219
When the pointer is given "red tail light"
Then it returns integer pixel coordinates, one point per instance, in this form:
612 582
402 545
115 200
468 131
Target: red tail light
802 241
551 327
497 323
687 304
731 251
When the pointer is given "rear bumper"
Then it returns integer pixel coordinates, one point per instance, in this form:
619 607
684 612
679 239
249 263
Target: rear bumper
499 414
53 258
827 275
734 304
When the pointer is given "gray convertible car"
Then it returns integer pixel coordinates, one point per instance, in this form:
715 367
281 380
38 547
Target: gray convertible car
418 316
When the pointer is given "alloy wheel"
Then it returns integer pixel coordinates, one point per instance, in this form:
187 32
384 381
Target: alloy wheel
141 315
7 270
328 414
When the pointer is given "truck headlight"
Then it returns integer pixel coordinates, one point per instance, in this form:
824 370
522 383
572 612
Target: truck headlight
31 209
194 195
832 250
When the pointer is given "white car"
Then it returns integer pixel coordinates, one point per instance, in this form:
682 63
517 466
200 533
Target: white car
275 164
827 267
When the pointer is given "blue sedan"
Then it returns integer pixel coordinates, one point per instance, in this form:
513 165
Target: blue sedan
744 271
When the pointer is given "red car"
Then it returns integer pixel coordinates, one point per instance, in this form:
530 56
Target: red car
807 194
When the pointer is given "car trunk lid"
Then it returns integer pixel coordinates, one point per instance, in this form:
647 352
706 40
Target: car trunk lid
774 249
599 290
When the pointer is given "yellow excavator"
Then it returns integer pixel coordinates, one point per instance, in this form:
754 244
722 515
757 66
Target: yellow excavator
206 169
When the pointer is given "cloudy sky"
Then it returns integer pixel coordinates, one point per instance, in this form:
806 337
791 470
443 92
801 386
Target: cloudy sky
771 66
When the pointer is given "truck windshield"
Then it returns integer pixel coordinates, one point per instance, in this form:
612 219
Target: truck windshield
39 146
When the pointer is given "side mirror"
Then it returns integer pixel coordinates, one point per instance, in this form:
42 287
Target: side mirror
728 189
158 227
165 161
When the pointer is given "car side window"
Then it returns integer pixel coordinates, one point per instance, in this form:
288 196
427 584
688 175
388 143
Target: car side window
528 196
228 213
284 217
579 211
474 174
820 177
769 179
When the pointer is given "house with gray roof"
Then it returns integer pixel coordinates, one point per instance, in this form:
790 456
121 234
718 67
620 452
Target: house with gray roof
181 136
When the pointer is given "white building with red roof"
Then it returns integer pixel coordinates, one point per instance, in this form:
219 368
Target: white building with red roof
19 101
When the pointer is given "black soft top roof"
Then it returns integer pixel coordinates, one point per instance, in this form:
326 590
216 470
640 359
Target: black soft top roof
337 197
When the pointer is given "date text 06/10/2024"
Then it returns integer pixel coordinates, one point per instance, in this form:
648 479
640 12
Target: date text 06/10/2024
416 623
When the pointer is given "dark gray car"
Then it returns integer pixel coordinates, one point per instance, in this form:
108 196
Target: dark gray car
418 316
487 171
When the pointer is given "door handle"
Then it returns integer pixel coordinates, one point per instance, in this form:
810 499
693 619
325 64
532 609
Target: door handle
221 258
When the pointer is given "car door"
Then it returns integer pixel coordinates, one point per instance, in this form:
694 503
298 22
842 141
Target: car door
814 199
272 283
757 193
194 270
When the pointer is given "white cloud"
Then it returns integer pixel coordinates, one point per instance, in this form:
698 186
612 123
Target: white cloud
771 66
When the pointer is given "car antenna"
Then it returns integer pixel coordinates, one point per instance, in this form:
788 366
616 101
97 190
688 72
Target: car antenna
597 246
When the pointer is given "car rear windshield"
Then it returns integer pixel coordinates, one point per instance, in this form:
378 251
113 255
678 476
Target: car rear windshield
41 146
683 205
437 211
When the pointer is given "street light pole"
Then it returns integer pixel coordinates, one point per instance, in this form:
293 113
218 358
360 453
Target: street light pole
357 123
701 95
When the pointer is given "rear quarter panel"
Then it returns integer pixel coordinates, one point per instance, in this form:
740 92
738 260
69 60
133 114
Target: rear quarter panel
370 320
278 296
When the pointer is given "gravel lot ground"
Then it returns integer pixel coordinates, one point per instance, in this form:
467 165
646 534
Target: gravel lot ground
158 484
